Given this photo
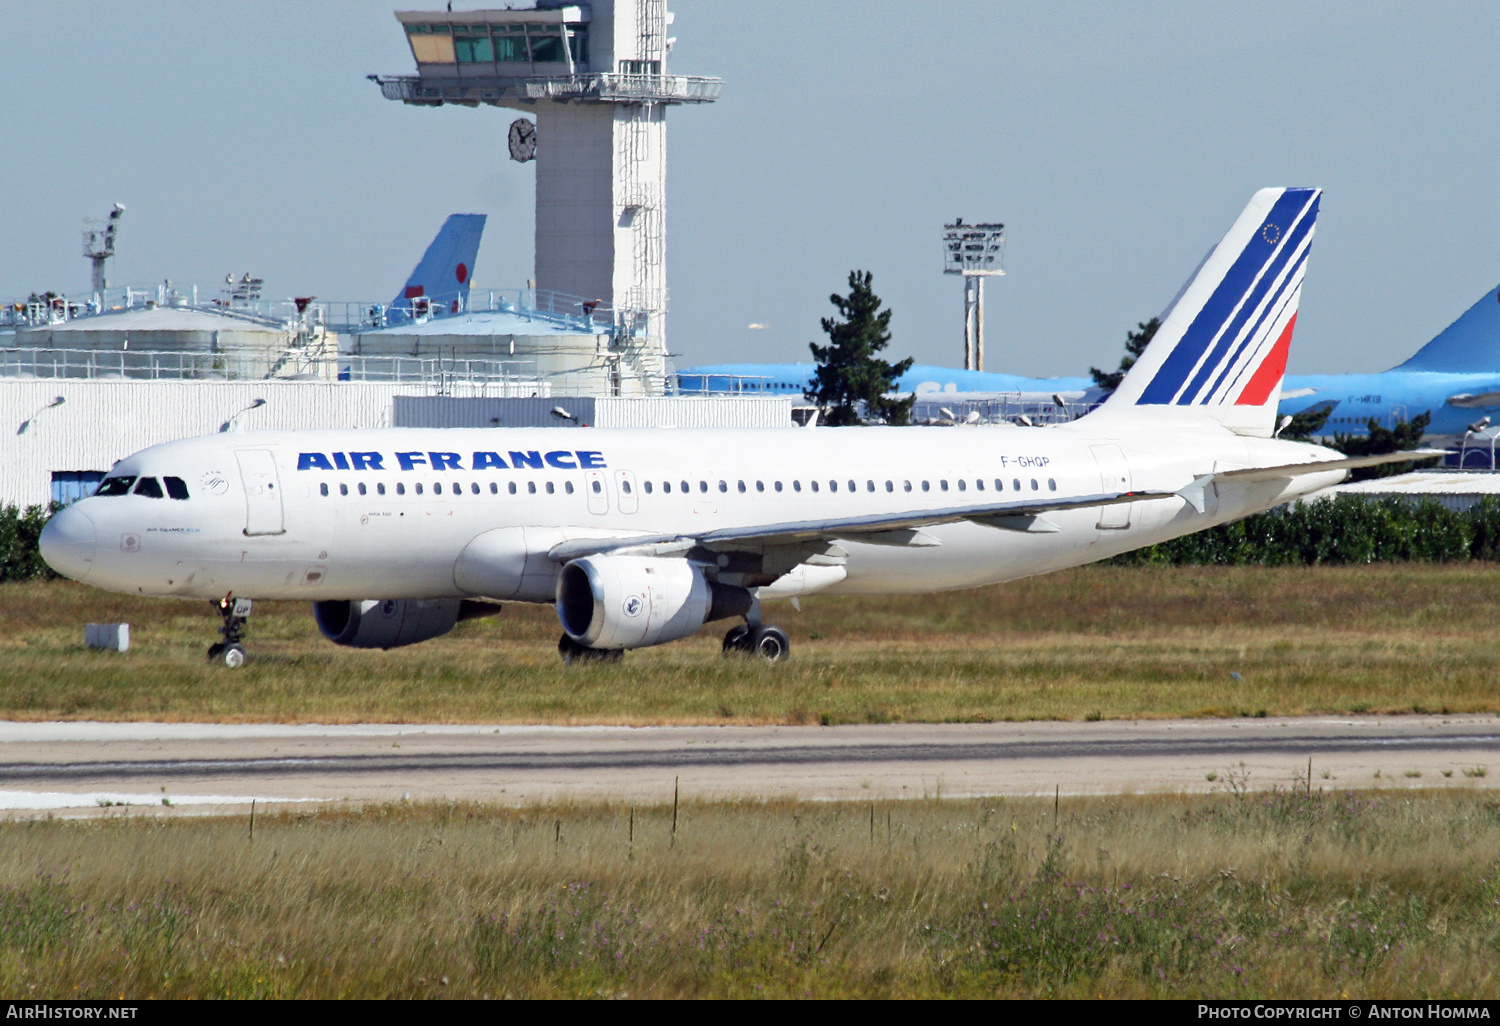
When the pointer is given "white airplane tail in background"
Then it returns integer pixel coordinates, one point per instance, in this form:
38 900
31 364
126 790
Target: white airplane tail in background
1222 346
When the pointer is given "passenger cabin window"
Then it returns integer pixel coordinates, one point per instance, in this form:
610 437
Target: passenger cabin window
1051 484
343 489
474 487
362 489
648 487
494 488
323 488
552 489
568 487
530 487
149 487
380 489
115 486
176 487
723 486
400 488
684 487
419 489
814 485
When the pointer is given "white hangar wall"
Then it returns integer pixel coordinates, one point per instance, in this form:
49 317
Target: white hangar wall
100 422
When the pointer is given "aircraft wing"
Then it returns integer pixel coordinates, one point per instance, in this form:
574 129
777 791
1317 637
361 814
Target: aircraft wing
1196 496
1482 401
880 528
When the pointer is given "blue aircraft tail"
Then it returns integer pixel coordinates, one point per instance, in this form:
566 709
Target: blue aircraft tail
1470 345
441 280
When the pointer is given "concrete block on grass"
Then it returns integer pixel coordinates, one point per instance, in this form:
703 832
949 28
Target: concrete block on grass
113 636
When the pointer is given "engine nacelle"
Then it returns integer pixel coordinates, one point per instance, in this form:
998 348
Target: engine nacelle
391 623
635 601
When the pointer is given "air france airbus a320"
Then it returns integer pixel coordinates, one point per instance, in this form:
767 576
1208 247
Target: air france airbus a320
640 537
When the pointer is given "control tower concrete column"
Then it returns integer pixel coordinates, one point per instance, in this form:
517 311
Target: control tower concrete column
594 78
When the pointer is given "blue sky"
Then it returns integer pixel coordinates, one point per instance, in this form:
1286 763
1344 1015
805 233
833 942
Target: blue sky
1117 141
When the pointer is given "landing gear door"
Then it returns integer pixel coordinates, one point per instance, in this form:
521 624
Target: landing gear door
1114 476
625 494
263 511
596 487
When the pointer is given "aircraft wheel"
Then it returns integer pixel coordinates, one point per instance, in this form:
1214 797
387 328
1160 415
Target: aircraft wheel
737 641
770 644
233 656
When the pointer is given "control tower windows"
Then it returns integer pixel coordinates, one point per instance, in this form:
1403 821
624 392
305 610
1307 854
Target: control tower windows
473 47
430 44
546 44
510 44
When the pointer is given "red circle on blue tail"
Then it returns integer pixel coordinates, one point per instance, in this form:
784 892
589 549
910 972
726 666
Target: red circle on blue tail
462 273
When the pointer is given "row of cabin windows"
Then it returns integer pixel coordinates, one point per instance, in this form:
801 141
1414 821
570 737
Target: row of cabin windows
147 486
853 486
456 488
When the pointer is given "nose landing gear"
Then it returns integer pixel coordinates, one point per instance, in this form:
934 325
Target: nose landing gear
230 652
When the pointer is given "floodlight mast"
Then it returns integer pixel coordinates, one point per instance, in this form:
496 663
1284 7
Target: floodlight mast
975 251
99 245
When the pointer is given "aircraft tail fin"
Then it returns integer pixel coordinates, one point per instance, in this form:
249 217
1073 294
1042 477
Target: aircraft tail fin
441 278
1470 345
1222 346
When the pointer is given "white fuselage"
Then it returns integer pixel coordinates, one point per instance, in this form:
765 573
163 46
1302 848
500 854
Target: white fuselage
367 514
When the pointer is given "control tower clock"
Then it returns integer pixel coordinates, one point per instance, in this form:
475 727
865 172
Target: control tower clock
522 140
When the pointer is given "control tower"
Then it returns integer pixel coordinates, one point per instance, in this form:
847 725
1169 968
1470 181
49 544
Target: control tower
594 77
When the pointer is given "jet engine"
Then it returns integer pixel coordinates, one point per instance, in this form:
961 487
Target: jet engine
391 623
610 602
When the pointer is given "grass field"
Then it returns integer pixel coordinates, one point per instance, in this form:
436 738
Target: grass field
1279 894
1110 642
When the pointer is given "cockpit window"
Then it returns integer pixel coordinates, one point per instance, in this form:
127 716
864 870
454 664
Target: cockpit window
115 486
149 487
176 487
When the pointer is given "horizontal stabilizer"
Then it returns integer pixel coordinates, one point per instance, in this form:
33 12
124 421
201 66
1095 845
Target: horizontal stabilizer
1196 496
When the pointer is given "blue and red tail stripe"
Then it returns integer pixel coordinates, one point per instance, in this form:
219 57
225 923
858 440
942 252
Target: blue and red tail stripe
1257 289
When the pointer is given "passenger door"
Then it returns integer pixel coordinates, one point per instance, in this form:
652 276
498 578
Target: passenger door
263 509
598 495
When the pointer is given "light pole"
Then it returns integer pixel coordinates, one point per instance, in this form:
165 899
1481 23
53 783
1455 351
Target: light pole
975 251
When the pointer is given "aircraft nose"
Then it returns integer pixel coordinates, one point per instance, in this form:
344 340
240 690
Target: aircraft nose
68 541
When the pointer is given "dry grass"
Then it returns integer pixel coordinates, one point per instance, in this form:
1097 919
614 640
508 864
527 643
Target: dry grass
1267 895
1119 642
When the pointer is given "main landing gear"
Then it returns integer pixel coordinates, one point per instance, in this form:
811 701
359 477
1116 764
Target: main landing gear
760 640
572 652
230 652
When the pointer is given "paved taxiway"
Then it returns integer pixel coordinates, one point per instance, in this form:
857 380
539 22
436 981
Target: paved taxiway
84 765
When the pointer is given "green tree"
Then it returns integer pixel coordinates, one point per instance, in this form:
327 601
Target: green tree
1406 434
20 553
850 371
1135 345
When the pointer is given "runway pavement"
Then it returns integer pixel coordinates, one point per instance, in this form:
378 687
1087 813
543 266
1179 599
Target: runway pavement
66 765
